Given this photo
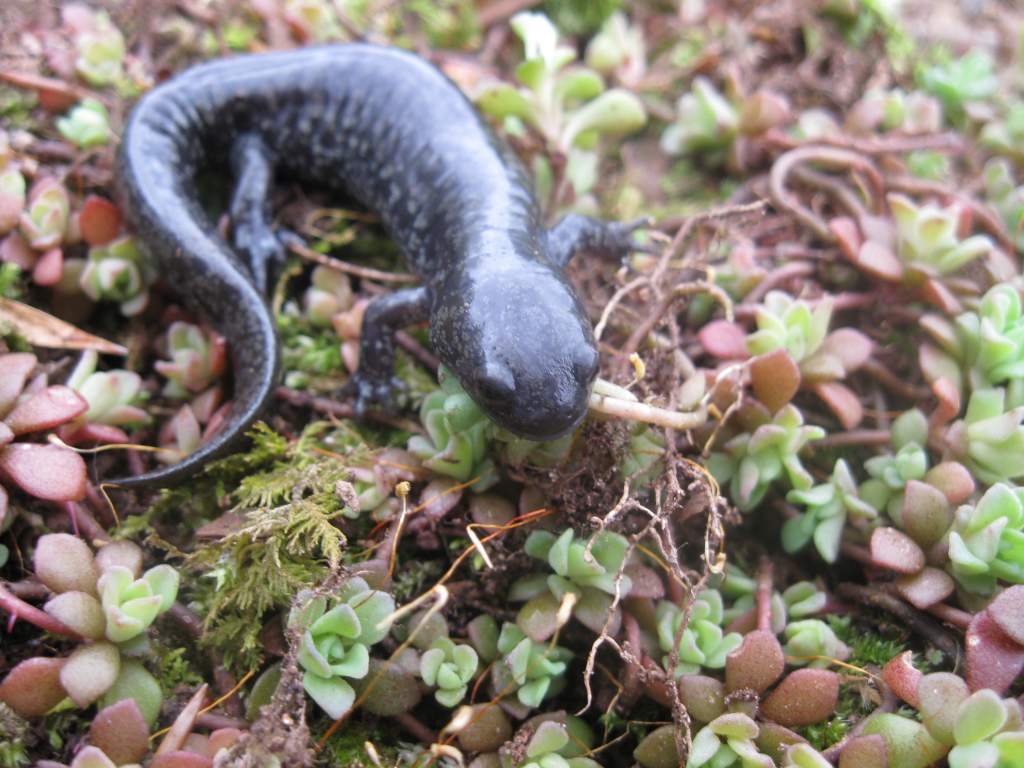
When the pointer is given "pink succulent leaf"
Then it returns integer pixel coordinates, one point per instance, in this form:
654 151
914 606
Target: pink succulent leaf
851 346
121 732
50 408
99 221
33 687
15 368
842 401
724 340
895 551
903 677
994 659
48 472
49 268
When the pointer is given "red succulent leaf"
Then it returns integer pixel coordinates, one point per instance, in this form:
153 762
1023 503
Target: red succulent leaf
50 268
91 434
15 368
6 435
847 235
181 759
804 697
842 401
878 260
724 340
775 378
938 295
33 687
949 403
121 732
3 506
52 407
851 346
99 221
994 659
895 551
926 588
865 752
756 664
47 472
1007 610
902 676
14 249
953 479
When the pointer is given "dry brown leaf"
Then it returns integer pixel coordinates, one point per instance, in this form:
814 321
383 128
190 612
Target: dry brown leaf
44 330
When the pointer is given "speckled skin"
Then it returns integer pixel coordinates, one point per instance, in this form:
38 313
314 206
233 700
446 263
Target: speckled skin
388 128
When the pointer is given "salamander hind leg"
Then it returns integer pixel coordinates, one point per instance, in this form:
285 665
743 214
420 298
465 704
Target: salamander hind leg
374 383
253 237
583 233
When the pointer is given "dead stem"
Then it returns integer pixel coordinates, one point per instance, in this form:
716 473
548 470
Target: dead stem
824 155
19 609
918 622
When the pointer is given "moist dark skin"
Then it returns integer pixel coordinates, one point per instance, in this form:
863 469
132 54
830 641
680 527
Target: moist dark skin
387 128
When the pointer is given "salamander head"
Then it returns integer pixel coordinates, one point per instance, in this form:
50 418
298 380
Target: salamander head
522 347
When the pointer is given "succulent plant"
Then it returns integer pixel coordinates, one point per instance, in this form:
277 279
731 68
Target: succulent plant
198 357
119 272
111 394
312 20
1005 195
927 239
989 440
981 348
813 638
335 643
101 52
751 462
111 627
702 644
132 604
829 505
450 667
86 125
45 219
565 106
981 737
578 563
708 123
986 542
49 472
457 437
534 670
728 741
330 292
618 48
12 197
890 473
957 82
791 324
545 748
896 110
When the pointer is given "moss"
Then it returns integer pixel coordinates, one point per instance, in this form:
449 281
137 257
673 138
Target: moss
175 669
347 747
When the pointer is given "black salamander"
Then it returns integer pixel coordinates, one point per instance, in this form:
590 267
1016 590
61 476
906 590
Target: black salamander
389 129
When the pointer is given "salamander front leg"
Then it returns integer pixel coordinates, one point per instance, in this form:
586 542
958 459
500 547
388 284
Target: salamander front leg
583 233
252 235
375 383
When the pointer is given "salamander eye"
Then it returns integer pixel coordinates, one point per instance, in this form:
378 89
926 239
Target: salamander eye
496 384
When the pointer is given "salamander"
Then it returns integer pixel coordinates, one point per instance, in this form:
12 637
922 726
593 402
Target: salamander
388 128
